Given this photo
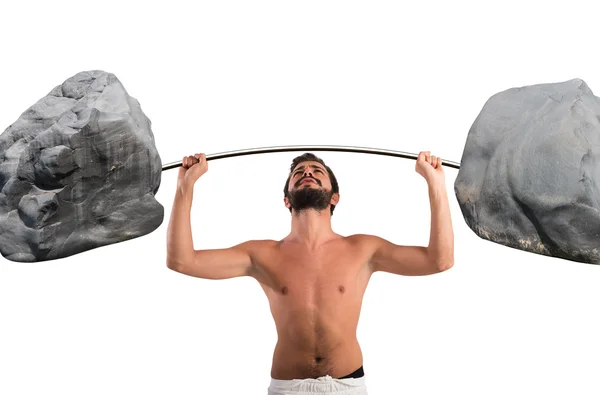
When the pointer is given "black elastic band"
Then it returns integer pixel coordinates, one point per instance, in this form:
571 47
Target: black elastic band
355 375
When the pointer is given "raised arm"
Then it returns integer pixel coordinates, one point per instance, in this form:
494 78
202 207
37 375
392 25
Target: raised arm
438 256
181 256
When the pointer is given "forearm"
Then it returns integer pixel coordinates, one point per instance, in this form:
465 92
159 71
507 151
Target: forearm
441 240
180 245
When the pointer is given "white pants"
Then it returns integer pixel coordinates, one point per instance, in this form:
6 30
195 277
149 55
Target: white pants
320 386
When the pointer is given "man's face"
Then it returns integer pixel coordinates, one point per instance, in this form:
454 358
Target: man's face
309 187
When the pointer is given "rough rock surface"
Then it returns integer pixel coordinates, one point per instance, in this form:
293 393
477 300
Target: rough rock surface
530 171
78 170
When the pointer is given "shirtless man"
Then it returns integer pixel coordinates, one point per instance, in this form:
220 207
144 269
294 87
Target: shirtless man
314 278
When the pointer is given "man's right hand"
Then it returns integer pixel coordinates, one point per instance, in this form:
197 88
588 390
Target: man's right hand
192 168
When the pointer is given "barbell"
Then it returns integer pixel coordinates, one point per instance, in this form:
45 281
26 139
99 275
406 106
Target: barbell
311 148
79 170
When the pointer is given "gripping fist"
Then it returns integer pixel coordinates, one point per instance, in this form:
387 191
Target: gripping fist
192 168
430 167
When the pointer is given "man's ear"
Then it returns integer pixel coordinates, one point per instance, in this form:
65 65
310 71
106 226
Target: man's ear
335 199
286 201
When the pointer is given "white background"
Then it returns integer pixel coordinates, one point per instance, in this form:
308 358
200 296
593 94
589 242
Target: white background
220 76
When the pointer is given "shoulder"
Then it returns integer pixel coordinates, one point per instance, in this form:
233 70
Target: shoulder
256 246
365 240
367 247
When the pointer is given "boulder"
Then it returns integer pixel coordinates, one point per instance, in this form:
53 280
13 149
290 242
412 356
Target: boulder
529 174
78 170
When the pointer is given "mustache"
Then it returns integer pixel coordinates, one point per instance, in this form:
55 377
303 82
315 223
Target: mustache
304 178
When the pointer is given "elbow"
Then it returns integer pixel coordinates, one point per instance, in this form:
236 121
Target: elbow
444 264
177 261
174 265
441 259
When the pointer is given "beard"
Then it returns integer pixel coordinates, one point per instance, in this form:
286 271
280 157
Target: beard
310 198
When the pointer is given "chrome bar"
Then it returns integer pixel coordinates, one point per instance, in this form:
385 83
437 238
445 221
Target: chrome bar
311 148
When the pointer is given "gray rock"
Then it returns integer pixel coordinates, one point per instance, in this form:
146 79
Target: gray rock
78 170
529 175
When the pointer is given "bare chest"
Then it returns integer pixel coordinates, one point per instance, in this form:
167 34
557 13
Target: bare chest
304 279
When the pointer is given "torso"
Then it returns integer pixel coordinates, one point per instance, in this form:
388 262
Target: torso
315 299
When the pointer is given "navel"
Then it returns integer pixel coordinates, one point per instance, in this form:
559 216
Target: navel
318 359
341 288
284 290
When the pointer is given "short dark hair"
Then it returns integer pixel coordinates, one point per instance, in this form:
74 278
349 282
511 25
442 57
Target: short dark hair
312 158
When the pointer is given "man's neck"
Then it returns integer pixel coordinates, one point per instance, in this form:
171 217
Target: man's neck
311 228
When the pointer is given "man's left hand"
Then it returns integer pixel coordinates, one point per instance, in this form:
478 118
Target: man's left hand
430 167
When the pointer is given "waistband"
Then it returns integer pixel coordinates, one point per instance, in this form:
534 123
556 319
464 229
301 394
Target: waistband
325 385
358 373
